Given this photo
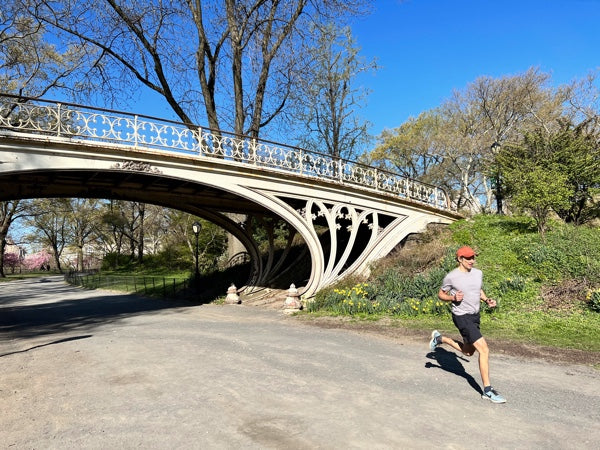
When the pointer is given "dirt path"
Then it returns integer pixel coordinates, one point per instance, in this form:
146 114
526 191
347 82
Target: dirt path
85 369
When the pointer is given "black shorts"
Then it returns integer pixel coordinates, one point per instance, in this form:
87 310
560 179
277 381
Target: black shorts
468 325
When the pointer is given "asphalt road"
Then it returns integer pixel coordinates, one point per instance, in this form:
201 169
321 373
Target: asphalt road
97 370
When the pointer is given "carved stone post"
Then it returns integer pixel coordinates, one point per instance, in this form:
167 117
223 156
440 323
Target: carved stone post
292 301
232 296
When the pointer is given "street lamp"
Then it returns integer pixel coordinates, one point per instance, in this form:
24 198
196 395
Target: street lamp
498 180
196 227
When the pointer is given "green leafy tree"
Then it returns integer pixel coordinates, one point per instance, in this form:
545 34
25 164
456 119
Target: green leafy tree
414 149
180 239
536 181
578 153
557 171
539 190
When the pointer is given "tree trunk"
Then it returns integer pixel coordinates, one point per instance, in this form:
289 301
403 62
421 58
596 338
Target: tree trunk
142 209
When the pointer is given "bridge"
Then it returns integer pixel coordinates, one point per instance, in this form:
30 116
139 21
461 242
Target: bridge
346 214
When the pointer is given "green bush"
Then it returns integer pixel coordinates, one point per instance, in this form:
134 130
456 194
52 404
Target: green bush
170 259
515 283
593 299
113 261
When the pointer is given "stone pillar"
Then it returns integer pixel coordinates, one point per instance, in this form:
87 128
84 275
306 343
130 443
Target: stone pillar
292 301
232 296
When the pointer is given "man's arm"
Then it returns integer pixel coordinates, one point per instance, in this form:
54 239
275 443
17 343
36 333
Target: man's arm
448 297
484 298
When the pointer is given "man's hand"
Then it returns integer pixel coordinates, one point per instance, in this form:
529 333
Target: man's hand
458 296
491 302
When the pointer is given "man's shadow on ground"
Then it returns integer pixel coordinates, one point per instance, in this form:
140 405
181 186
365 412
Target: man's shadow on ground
449 361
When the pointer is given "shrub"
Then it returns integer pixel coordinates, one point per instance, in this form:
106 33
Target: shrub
593 299
365 298
12 261
515 283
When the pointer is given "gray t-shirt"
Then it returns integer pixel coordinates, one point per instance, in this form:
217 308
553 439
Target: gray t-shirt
468 282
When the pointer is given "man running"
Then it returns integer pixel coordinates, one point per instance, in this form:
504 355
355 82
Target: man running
462 287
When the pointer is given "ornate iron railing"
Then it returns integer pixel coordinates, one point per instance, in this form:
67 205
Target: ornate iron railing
82 123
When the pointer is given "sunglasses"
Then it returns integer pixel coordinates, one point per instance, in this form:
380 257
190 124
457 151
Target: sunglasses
470 258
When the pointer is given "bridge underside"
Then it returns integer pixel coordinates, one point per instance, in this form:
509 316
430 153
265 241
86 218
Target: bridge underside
341 231
137 186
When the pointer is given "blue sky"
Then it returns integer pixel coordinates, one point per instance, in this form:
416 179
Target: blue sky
428 48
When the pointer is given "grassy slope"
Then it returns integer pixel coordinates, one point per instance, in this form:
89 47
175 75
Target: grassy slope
540 283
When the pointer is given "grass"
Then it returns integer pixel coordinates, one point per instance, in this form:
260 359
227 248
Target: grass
156 282
577 331
167 286
547 289
25 275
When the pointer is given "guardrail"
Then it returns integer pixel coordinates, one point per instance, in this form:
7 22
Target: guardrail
84 123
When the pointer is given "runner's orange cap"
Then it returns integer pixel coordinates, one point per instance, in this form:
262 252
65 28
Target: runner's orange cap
465 252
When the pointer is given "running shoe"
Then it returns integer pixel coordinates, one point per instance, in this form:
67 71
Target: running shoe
436 339
493 396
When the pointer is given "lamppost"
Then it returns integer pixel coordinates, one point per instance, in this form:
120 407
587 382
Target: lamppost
498 180
196 227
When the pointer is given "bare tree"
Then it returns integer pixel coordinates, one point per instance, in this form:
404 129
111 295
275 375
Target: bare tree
328 101
126 222
583 100
492 112
237 59
30 65
83 219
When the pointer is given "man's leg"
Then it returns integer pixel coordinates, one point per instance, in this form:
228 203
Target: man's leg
484 357
467 349
489 393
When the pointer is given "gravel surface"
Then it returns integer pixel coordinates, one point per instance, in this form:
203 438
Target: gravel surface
95 370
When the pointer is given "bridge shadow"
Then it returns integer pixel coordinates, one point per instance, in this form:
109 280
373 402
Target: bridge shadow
450 362
30 311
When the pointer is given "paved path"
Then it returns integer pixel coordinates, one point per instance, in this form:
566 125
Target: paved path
96 370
